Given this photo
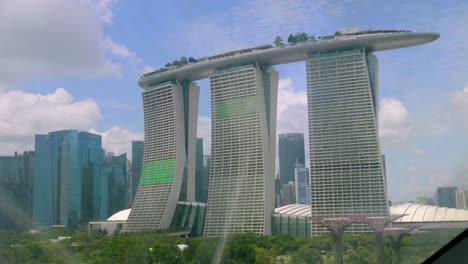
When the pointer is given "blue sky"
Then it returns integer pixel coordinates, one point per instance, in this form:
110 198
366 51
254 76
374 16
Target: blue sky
95 51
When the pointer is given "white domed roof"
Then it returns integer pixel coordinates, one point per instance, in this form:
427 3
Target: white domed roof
415 213
428 213
120 216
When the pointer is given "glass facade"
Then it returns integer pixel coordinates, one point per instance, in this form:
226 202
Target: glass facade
290 226
189 216
346 170
446 197
137 165
290 151
16 191
201 182
116 168
67 178
301 183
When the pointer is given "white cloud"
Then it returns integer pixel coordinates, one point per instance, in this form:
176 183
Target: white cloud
204 131
103 9
117 49
118 140
292 114
393 121
55 37
292 108
24 114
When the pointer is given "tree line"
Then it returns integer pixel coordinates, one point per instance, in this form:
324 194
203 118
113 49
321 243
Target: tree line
98 247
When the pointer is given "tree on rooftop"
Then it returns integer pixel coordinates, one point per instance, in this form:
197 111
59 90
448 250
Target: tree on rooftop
278 41
301 37
192 60
292 39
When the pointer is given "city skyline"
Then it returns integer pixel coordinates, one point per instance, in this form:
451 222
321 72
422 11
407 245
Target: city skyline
119 118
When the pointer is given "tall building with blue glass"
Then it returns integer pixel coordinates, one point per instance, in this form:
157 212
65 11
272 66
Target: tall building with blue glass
301 184
16 191
137 164
116 167
291 151
67 179
446 196
201 182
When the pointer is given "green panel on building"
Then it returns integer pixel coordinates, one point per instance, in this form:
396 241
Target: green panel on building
236 107
158 172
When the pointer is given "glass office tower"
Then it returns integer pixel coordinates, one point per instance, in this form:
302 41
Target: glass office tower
201 183
301 184
66 178
241 185
16 191
170 111
290 152
137 164
346 171
446 196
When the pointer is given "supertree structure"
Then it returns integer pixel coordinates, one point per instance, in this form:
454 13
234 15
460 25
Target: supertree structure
336 225
378 223
396 234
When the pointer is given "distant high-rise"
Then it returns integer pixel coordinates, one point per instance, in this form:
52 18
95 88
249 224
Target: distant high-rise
16 191
206 175
241 185
291 151
301 184
346 170
446 197
462 199
288 193
201 183
67 178
113 189
137 164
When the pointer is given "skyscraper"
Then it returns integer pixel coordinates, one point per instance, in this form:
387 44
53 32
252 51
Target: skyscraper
16 191
446 197
170 111
462 199
137 164
115 168
241 185
342 108
346 170
201 183
301 184
290 152
288 193
67 178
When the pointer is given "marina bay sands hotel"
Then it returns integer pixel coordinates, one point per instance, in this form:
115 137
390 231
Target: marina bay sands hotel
346 168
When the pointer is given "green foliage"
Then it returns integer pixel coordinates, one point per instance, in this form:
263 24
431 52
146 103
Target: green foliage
191 60
305 255
163 252
98 247
301 37
278 41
